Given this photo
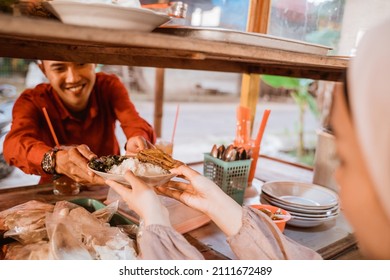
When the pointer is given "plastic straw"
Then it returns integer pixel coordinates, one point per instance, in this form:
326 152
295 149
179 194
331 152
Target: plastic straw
242 126
262 127
175 123
50 126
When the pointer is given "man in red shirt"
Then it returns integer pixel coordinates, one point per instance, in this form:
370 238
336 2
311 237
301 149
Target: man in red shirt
83 107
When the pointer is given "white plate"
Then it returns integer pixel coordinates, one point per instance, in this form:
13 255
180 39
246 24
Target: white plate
299 209
306 195
152 181
308 222
106 15
298 213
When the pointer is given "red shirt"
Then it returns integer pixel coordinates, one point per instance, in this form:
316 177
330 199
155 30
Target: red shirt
30 137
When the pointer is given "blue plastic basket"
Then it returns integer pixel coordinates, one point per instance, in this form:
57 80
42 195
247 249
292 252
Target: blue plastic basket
231 177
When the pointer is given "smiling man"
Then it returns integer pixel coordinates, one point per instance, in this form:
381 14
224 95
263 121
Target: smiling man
83 107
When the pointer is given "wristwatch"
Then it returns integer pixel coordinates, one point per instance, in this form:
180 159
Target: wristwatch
49 161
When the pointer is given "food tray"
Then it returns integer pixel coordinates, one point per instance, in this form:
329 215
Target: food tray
246 38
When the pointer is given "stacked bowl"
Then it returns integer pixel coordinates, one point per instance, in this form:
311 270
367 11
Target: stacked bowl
309 204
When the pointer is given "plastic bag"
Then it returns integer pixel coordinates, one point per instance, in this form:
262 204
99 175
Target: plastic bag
26 222
34 251
65 231
105 214
25 210
78 234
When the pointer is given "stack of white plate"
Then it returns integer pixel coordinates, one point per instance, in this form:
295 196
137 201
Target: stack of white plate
309 204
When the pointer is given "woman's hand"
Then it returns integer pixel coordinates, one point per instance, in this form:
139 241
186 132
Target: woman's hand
142 199
205 196
200 193
136 144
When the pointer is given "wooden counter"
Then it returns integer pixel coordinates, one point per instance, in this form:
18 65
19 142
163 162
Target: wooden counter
332 240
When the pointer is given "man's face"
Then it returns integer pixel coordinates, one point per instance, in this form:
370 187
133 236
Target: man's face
72 81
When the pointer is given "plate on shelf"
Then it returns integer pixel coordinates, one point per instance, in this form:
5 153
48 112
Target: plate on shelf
246 38
106 15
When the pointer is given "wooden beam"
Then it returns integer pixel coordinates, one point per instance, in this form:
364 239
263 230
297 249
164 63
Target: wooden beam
23 37
256 60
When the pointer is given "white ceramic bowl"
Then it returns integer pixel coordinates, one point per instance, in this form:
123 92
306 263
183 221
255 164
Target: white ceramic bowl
308 222
303 210
152 181
304 195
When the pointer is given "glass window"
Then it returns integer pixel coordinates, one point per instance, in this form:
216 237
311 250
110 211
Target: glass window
314 21
231 14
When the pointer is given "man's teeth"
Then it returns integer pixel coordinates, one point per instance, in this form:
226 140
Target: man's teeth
75 89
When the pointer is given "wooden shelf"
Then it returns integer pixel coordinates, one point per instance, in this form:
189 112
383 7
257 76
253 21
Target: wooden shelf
35 38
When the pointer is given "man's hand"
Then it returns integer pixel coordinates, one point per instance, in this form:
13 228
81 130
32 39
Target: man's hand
136 144
72 161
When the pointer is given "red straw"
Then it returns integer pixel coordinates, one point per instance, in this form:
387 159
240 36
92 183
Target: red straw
175 123
242 126
262 127
50 126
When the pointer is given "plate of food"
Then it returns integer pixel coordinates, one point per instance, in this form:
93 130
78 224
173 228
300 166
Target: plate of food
150 165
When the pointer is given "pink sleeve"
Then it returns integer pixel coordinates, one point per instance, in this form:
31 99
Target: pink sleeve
156 242
260 238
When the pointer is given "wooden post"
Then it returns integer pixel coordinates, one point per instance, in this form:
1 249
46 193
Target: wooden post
159 100
258 18
159 94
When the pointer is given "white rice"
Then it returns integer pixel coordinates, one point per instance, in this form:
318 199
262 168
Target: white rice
138 168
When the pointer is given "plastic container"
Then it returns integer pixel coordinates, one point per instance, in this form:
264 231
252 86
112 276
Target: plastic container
165 145
231 177
64 185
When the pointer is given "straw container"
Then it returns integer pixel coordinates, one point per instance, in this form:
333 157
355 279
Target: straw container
231 177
